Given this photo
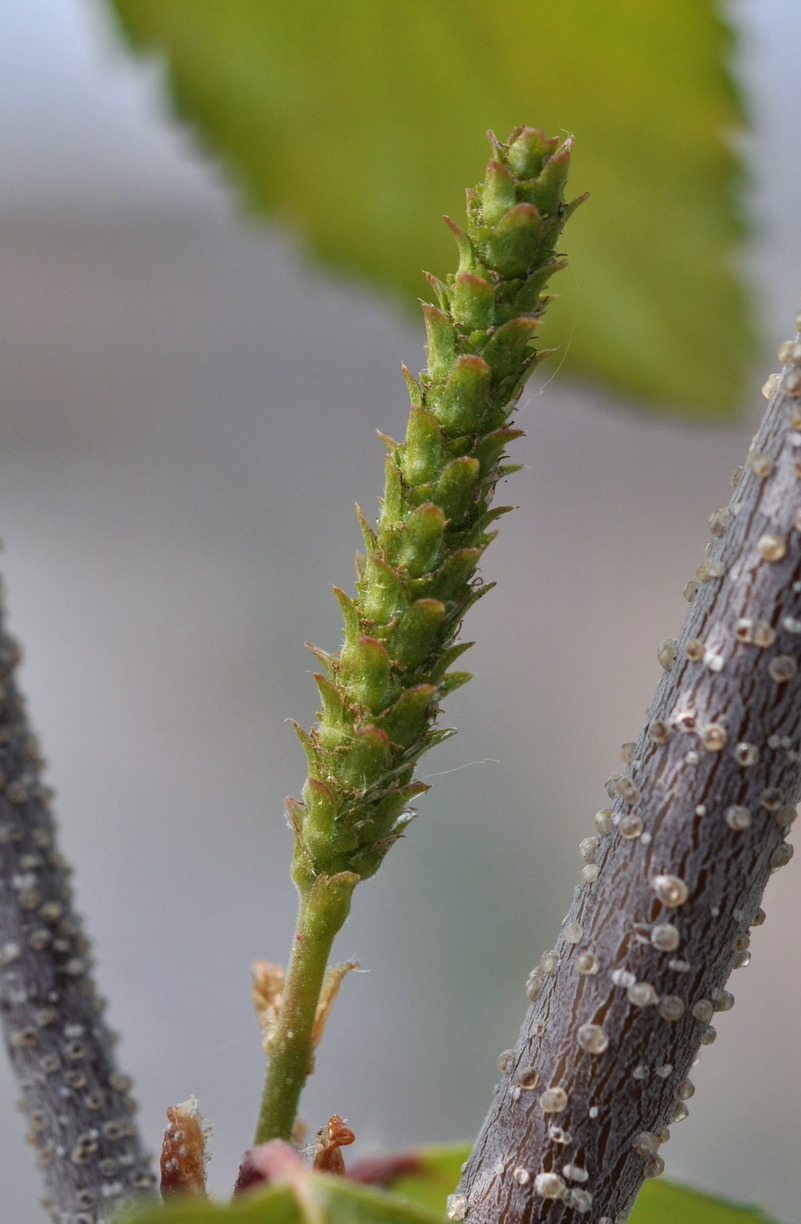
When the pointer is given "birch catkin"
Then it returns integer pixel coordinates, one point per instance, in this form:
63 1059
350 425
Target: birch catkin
380 692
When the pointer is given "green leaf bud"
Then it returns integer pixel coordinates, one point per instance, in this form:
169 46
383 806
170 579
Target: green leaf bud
440 290
392 501
394 804
329 661
548 190
446 658
350 615
384 596
513 245
390 443
463 407
499 194
478 589
415 497
296 814
567 210
434 736
421 550
468 261
440 339
449 580
528 298
527 150
422 454
452 681
320 799
456 487
473 302
509 347
364 757
489 515
415 633
367 673
367 861
334 719
413 387
323 837
404 721
309 746
489 449
368 535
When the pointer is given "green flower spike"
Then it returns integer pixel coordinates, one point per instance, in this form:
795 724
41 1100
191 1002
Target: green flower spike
380 694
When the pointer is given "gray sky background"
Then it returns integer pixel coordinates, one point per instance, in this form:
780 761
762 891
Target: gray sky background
176 490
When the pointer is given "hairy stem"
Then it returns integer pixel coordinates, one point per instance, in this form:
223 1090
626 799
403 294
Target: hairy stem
323 909
76 1100
674 876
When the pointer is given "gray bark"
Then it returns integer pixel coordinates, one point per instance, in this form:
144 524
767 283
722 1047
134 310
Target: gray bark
77 1102
694 828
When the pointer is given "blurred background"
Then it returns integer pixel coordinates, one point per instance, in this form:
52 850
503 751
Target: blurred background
187 414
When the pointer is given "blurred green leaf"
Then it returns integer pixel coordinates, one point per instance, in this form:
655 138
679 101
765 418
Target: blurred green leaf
663 1203
438 1170
358 123
418 1193
435 1175
314 1199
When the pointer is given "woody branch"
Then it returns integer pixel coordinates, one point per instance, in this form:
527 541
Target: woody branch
76 1100
674 875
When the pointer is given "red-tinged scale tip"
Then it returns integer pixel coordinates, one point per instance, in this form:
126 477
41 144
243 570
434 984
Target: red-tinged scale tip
268 1163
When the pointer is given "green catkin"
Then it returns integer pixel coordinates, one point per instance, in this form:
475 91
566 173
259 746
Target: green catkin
380 694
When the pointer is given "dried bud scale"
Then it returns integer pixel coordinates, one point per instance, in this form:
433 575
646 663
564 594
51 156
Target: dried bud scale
89 1152
328 1157
183 1152
717 781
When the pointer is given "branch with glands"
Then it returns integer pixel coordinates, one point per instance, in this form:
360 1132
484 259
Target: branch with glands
673 874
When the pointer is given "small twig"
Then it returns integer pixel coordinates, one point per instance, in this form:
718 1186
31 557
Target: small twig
79 1110
674 876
